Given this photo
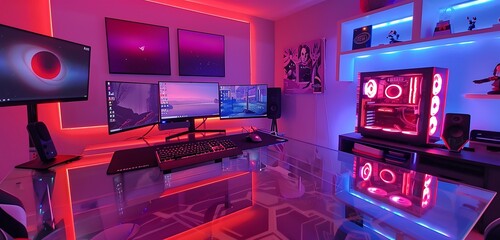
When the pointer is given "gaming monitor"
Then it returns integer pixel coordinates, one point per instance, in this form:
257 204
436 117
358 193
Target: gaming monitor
188 100
131 105
200 54
35 68
137 48
243 101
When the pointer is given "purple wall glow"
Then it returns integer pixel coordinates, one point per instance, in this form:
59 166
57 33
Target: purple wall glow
200 54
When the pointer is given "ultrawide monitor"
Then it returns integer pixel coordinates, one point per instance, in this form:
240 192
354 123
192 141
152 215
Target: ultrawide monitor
188 100
35 68
243 101
131 105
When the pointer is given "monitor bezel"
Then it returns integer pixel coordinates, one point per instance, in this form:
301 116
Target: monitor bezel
37 100
135 127
242 85
184 119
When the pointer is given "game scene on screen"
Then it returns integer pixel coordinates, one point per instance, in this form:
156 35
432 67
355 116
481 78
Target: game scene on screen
187 99
131 105
245 101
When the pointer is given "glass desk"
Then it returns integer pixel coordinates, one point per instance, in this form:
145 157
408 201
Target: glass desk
289 190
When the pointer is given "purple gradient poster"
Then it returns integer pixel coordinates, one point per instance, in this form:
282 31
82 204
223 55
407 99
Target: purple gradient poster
137 48
201 54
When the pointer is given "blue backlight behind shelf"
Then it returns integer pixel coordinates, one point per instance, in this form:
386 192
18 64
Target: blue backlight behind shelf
469 4
394 22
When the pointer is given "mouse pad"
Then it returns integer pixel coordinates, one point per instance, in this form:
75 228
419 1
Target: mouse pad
267 139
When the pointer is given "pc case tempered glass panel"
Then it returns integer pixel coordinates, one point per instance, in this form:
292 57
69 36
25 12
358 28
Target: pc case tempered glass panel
403 104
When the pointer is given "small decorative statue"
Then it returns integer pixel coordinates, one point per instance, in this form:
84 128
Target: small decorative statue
393 36
495 79
472 23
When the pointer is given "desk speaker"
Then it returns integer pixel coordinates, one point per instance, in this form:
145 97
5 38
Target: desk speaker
40 137
455 132
273 103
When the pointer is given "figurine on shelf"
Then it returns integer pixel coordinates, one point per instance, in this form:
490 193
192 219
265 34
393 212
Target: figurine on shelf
472 23
495 79
393 36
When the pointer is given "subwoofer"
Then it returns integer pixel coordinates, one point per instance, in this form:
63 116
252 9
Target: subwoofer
455 132
273 103
40 137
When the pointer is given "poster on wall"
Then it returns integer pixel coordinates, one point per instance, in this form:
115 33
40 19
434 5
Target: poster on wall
201 54
303 68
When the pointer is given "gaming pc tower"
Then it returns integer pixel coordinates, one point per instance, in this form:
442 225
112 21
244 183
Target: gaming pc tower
403 105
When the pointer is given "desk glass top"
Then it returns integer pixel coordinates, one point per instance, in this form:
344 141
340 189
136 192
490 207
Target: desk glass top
289 190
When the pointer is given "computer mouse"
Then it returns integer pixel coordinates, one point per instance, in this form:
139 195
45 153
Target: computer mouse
254 137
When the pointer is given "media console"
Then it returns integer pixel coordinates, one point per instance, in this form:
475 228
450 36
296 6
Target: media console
477 168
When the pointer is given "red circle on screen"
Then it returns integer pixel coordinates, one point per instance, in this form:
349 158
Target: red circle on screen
46 65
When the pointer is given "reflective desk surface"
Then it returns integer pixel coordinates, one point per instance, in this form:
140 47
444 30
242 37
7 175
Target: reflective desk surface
288 190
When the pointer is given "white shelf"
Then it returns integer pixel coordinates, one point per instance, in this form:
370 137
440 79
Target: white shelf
481 96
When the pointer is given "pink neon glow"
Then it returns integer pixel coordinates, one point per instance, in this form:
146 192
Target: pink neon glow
366 171
411 91
373 127
426 195
371 88
377 191
437 84
415 87
383 176
435 104
432 125
389 91
391 130
409 132
400 201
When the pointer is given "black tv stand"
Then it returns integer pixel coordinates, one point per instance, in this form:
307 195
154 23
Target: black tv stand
192 130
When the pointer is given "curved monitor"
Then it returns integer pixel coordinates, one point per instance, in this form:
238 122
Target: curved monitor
180 101
35 68
131 105
243 101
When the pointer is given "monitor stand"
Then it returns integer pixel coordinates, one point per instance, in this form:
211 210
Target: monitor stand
192 131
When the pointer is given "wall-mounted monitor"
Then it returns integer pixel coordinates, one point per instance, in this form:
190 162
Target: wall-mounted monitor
35 68
200 54
131 105
137 48
243 101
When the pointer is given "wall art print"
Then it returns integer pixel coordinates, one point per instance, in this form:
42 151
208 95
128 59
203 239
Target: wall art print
201 54
303 68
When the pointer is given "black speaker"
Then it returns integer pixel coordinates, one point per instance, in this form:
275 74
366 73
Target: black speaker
273 103
40 137
455 132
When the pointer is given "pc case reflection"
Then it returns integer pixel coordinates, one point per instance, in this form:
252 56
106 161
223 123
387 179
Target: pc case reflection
403 105
402 188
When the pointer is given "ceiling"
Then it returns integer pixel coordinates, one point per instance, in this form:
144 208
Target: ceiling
267 9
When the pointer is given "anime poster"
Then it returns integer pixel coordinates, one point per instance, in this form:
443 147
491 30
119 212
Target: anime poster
303 68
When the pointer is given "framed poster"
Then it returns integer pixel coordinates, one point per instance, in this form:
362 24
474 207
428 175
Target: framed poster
137 48
201 54
303 68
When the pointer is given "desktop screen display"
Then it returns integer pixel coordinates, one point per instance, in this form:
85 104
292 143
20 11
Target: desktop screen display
201 54
137 48
243 101
35 68
131 105
188 100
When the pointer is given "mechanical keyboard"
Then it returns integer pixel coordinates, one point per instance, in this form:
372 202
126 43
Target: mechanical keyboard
177 155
